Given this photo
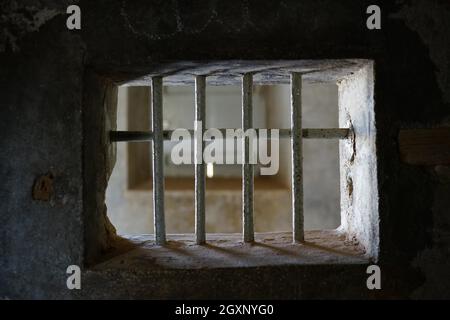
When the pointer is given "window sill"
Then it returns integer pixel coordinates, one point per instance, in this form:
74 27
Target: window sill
325 247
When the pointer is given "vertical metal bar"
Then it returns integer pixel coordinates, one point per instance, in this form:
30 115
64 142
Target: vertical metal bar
297 157
158 161
199 146
247 168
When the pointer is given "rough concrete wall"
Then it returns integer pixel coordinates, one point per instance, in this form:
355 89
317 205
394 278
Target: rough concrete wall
41 89
431 23
99 117
40 117
359 185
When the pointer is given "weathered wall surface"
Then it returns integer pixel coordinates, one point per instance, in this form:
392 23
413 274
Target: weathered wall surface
358 165
41 85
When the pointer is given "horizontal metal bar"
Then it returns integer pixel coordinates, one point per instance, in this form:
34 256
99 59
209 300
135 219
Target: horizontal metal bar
326 133
130 136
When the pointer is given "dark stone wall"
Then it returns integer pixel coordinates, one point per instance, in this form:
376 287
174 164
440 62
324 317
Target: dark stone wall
42 77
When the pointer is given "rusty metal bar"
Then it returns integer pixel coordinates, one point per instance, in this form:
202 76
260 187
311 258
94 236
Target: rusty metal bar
325 133
247 167
158 161
297 158
199 146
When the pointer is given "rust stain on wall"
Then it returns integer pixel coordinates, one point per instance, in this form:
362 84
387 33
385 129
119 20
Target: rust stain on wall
43 187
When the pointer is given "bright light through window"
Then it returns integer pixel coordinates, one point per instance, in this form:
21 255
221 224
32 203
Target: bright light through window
210 170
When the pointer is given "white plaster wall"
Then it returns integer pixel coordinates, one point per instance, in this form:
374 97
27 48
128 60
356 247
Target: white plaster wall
359 186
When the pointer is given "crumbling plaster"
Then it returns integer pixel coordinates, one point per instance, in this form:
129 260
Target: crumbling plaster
358 161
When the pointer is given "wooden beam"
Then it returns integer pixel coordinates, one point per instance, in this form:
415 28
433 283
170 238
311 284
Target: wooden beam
425 146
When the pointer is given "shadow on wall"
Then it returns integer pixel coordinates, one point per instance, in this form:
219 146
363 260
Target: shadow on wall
129 194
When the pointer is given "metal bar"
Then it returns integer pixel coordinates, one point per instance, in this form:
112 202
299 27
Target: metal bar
325 133
297 157
247 168
130 136
199 146
158 161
